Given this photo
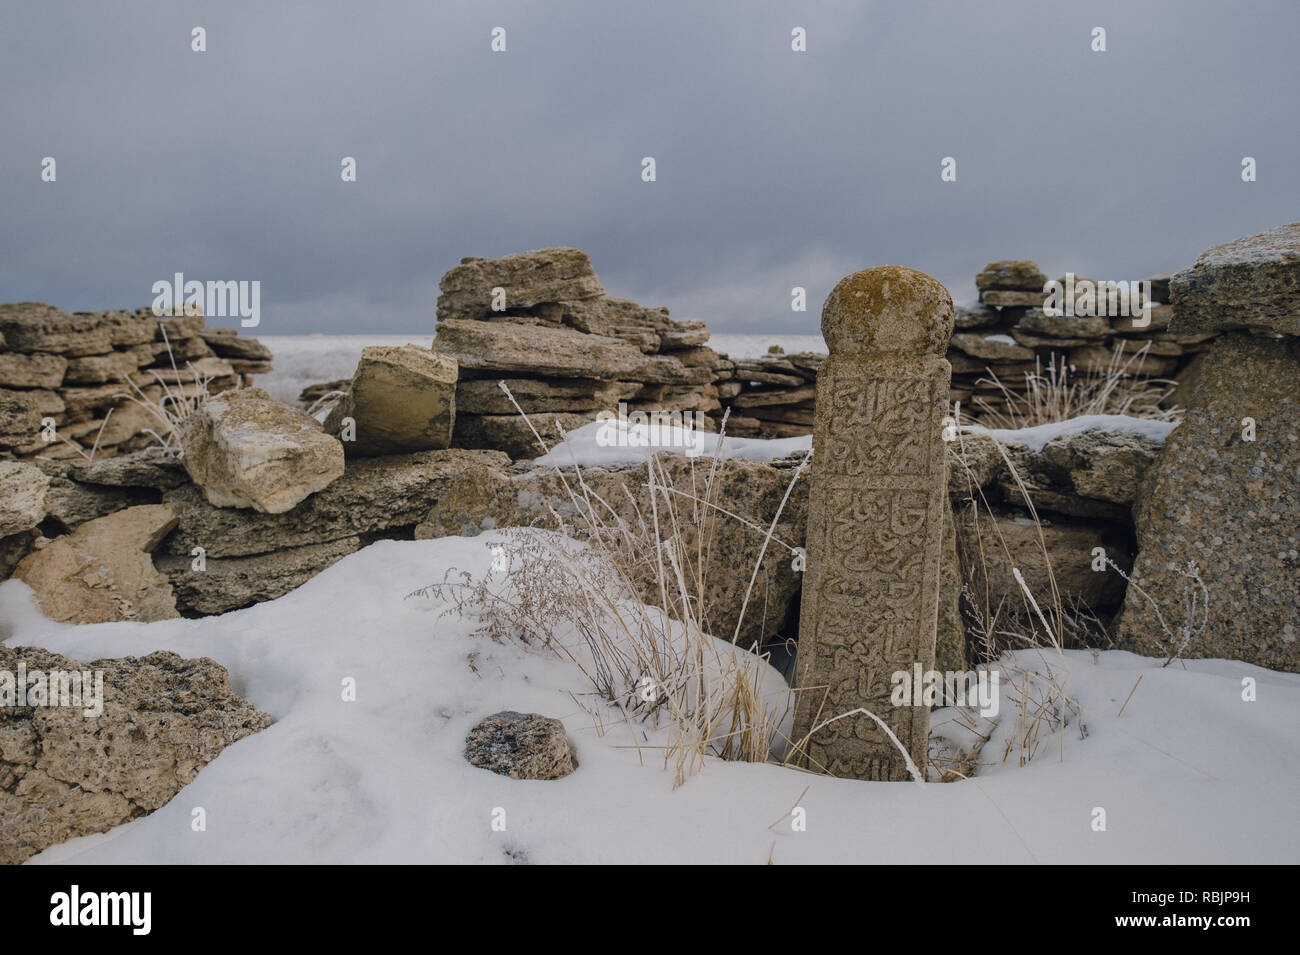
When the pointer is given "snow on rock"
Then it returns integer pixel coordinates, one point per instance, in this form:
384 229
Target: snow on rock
1038 437
619 441
1190 773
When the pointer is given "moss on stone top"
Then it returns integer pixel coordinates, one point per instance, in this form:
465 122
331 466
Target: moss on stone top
888 311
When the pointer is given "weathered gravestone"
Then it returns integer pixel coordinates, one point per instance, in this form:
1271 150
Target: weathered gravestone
875 526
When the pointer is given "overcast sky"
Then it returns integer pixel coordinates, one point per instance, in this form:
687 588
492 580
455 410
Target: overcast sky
775 168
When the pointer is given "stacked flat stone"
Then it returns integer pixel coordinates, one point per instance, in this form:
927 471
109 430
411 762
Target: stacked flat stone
76 367
997 342
983 345
1083 486
770 397
1008 335
566 350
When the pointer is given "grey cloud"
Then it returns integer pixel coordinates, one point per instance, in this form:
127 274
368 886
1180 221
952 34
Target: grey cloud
775 168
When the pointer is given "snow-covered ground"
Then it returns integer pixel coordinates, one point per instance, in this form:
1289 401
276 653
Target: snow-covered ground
1190 773
302 360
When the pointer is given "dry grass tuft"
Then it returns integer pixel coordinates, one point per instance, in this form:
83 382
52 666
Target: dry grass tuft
1196 608
1035 681
174 407
679 691
171 409
1060 392
689 697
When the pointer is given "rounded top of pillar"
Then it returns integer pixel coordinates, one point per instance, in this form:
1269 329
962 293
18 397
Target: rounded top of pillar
887 311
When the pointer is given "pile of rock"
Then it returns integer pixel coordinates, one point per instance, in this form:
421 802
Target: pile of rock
265 499
210 559
997 343
249 556
262 501
1010 334
541 321
67 380
1083 487
770 397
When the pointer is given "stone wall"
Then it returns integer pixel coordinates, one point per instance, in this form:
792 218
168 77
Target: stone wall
541 321
996 343
568 351
1083 485
71 370
1221 492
